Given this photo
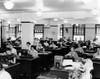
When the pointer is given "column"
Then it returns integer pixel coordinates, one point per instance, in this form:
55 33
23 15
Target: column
27 33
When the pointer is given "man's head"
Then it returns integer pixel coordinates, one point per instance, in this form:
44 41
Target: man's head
83 59
28 43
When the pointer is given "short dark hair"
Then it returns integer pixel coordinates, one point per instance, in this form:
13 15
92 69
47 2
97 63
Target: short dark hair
32 46
28 43
1 66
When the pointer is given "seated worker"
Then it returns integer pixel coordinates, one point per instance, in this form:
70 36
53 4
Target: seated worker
97 54
12 49
11 57
73 54
46 44
91 48
52 45
39 47
79 49
11 53
28 46
83 71
33 52
4 74
58 44
87 66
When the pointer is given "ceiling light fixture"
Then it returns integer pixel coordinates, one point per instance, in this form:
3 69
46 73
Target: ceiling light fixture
55 19
39 6
62 0
95 11
39 13
9 22
65 21
98 19
8 4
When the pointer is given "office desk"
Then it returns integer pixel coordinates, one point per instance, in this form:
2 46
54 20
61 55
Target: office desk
28 66
55 73
13 70
60 73
56 51
96 65
45 60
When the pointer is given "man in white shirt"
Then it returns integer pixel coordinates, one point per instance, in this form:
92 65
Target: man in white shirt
4 74
87 67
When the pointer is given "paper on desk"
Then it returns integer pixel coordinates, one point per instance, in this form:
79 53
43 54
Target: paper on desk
44 77
67 62
5 65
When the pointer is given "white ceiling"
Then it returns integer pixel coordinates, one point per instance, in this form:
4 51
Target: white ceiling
51 8
49 5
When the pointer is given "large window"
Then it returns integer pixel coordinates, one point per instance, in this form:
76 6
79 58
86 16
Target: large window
14 30
79 32
38 31
97 31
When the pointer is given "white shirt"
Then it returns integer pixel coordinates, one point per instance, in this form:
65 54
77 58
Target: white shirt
4 75
14 51
88 66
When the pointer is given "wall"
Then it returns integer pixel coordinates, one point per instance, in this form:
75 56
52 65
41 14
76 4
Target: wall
46 32
51 31
90 32
54 32
69 32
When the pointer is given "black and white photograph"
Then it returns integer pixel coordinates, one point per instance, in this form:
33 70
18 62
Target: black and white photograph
49 39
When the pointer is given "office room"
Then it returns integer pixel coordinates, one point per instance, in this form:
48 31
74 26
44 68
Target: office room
49 39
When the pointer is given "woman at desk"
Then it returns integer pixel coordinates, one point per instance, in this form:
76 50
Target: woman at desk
86 68
53 45
83 71
28 46
4 74
33 52
79 49
46 44
11 57
12 49
11 53
97 54
73 54
39 47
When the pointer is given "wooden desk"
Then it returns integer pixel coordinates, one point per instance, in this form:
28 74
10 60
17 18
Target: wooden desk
60 73
56 51
13 70
28 67
96 65
45 60
55 73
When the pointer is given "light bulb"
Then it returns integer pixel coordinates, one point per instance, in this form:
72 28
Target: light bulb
8 4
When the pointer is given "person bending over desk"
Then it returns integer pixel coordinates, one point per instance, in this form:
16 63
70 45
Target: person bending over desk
11 53
73 54
11 57
12 49
4 74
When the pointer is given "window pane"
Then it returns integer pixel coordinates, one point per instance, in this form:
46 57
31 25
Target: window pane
38 35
